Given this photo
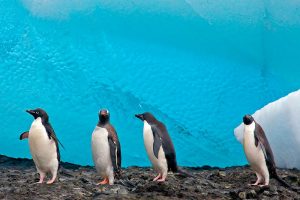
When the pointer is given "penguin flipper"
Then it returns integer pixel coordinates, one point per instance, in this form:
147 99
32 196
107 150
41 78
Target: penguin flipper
115 154
51 134
24 135
115 148
261 138
157 142
162 138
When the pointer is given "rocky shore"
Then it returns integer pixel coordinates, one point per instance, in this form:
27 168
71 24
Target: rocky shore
18 177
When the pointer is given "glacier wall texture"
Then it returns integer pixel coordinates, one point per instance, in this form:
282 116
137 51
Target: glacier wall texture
199 66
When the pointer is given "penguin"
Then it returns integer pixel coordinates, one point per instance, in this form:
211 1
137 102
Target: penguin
159 147
43 145
106 149
259 153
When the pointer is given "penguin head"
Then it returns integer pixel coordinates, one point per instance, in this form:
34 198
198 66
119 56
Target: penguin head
36 113
103 116
146 117
248 119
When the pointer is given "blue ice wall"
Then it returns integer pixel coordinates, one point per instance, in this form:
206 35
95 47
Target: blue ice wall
198 65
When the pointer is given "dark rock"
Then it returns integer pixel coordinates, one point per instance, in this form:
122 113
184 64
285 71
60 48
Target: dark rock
293 178
251 194
266 193
83 180
18 177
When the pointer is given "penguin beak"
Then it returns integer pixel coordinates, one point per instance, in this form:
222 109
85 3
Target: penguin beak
31 112
140 116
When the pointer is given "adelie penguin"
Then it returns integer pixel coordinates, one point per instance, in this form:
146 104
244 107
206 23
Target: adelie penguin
106 149
259 153
159 147
43 145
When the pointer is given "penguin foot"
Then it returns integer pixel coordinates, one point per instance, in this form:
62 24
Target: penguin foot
156 178
51 181
258 182
161 180
42 176
264 185
105 181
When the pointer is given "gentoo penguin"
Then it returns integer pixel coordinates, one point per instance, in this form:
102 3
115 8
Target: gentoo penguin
106 149
259 153
43 144
159 146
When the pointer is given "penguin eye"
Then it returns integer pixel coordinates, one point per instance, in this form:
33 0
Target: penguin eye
37 112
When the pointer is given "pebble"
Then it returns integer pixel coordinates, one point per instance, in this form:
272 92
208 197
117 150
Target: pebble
222 173
122 191
243 195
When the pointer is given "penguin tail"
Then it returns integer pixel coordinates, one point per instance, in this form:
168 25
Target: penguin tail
183 172
285 184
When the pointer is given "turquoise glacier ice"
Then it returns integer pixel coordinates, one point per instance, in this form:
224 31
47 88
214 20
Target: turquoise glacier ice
198 65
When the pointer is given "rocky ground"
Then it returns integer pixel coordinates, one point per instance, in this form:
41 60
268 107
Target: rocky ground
18 177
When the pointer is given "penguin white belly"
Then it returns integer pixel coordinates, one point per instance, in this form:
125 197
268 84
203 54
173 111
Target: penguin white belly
101 152
159 164
43 150
254 154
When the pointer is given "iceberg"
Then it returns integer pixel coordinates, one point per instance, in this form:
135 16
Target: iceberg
280 121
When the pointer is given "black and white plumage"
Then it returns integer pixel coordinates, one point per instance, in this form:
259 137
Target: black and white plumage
43 144
106 149
259 153
159 146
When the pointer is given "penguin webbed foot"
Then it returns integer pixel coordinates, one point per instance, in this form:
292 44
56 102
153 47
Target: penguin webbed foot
51 181
42 176
157 177
254 184
259 185
161 180
104 182
264 186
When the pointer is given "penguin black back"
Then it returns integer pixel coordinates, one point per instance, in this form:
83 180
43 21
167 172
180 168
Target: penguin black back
161 138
